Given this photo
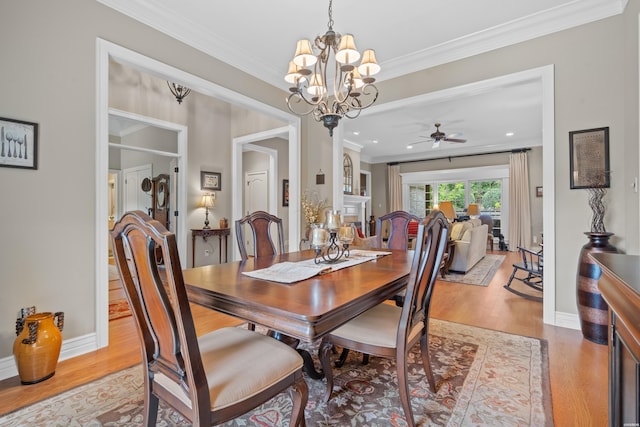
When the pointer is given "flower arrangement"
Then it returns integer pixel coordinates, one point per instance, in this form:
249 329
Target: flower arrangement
311 206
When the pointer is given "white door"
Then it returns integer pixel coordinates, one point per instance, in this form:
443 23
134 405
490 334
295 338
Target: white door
256 192
256 198
134 197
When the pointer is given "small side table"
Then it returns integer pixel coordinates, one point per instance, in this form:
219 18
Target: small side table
208 232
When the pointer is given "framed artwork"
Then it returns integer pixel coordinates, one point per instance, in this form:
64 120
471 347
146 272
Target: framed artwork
18 144
538 191
589 157
285 192
210 181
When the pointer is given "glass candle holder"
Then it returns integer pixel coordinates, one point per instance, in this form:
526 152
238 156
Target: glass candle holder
319 236
333 220
346 233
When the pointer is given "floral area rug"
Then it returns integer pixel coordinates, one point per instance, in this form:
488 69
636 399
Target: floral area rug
480 274
484 378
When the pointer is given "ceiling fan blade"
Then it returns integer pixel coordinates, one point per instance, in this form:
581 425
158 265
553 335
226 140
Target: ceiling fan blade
455 140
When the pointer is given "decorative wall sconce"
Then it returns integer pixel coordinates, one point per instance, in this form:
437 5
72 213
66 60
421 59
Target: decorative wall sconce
179 91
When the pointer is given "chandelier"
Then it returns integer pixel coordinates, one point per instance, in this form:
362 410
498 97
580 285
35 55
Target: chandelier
353 88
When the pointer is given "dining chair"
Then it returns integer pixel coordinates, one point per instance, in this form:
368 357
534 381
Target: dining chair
390 331
260 223
398 237
208 379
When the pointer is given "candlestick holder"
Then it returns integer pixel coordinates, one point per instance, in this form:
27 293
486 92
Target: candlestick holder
331 253
331 244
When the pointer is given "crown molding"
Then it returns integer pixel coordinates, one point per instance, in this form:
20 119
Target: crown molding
578 12
570 15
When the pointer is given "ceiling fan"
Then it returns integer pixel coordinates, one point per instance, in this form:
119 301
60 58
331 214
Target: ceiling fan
438 136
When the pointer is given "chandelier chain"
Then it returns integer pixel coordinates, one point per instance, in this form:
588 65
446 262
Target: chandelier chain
330 24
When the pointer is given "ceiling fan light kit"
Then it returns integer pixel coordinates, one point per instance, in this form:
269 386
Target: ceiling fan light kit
353 88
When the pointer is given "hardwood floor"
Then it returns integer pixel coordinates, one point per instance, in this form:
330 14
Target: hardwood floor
578 368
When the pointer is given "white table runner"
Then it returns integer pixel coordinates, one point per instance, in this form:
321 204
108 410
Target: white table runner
291 272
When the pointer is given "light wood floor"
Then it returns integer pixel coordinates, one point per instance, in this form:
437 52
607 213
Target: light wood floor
578 368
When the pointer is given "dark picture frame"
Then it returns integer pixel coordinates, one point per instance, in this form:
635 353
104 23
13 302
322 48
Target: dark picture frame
18 144
210 181
589 158
285 192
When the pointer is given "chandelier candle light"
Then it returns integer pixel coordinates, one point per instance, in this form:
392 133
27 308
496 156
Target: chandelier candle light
325 238
353 88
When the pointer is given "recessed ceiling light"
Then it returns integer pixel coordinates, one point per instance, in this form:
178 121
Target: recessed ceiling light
409 147
375 141
356 132
509 134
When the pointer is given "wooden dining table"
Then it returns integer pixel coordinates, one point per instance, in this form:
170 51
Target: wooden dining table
305 310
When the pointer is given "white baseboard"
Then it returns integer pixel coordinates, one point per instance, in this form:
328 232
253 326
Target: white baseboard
567 320
70 348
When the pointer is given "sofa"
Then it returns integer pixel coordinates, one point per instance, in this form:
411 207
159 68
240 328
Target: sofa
470 240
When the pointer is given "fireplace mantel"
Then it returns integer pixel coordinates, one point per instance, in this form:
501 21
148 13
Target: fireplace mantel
356 206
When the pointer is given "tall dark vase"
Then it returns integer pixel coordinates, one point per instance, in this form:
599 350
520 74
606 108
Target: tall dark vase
592 309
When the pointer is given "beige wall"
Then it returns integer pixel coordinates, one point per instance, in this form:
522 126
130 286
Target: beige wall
51 80
53 83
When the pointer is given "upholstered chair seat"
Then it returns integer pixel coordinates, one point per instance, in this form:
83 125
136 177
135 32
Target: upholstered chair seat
237 349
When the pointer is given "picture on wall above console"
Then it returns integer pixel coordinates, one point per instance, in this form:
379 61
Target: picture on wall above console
589 157
18 144
210 181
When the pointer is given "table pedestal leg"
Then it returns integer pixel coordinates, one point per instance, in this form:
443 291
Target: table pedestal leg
309 366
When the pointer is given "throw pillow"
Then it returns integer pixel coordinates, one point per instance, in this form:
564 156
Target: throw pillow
456 230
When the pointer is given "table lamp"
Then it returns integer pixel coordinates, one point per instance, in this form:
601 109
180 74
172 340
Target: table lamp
208 201
473 210
446 208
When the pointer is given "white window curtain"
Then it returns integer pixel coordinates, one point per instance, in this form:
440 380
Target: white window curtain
519 206
395 188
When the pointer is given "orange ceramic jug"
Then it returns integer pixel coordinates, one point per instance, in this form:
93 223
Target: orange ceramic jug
37 347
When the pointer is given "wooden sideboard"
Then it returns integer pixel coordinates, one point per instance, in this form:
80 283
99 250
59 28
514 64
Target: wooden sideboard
620 288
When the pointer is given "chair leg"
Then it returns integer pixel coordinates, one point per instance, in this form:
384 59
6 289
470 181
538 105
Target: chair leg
342 358
325 362
151 408
403 388
426 361
513 274
365 358
299 396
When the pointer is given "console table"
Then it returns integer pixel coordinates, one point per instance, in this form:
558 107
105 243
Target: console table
208 232
620 288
